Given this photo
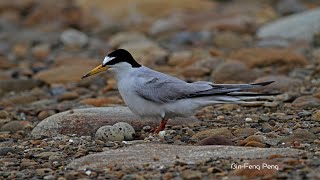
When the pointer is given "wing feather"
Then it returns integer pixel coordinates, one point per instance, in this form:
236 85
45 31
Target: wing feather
161 88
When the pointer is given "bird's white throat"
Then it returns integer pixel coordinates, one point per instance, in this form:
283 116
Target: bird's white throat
122 70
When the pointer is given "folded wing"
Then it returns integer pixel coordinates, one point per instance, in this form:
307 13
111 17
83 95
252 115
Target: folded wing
161 88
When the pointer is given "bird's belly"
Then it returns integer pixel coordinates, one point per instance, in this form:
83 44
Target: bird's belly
143 107
140 106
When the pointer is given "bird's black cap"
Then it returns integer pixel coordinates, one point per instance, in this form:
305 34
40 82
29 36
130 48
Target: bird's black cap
122 55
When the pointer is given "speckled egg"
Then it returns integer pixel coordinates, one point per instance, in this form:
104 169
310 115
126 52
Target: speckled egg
109 133
126 129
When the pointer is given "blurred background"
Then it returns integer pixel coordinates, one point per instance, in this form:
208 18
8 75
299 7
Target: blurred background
45 46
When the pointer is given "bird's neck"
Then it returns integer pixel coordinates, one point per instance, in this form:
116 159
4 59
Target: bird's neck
123 73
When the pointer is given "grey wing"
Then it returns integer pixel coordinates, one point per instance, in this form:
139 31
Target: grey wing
161 88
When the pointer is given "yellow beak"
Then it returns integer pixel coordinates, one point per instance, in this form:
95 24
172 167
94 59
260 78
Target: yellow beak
96 70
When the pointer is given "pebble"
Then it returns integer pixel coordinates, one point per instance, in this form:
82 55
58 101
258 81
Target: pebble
46 155
49 177
126 129
248 120
74 38
257 138
300 135
286 7
18 85
125 37
234 71
62 74
44 171
225 132
5 150
281 83
20 50
266 127
255 144
316 116
109 133
216 140
68 96
103 101
191 174
289 27
187 38
4 114
15 126
43 114
286 59
180 58
306 101
166 25
27 163
230 40
41 52
244 132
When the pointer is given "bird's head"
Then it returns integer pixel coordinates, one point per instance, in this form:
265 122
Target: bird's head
117 60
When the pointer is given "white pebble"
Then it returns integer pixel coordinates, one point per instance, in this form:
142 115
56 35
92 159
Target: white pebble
88 172
162 133
248 120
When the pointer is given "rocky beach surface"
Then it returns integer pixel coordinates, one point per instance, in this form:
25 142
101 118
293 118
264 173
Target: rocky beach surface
49 116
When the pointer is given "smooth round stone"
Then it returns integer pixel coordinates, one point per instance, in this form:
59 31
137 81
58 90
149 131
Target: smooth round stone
72 37
126 129
109 133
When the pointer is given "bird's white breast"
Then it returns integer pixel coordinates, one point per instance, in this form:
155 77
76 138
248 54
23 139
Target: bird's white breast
138 105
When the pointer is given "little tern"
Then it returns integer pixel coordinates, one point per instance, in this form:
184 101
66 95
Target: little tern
149 93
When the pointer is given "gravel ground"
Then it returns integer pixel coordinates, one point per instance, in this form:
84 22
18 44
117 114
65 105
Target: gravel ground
46 47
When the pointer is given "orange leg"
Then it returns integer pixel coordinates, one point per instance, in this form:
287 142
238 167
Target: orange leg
161 126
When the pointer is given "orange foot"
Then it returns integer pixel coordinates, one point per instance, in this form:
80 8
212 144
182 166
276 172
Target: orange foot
161 126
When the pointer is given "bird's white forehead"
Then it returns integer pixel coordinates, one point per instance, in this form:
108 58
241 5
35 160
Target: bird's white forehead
107 59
